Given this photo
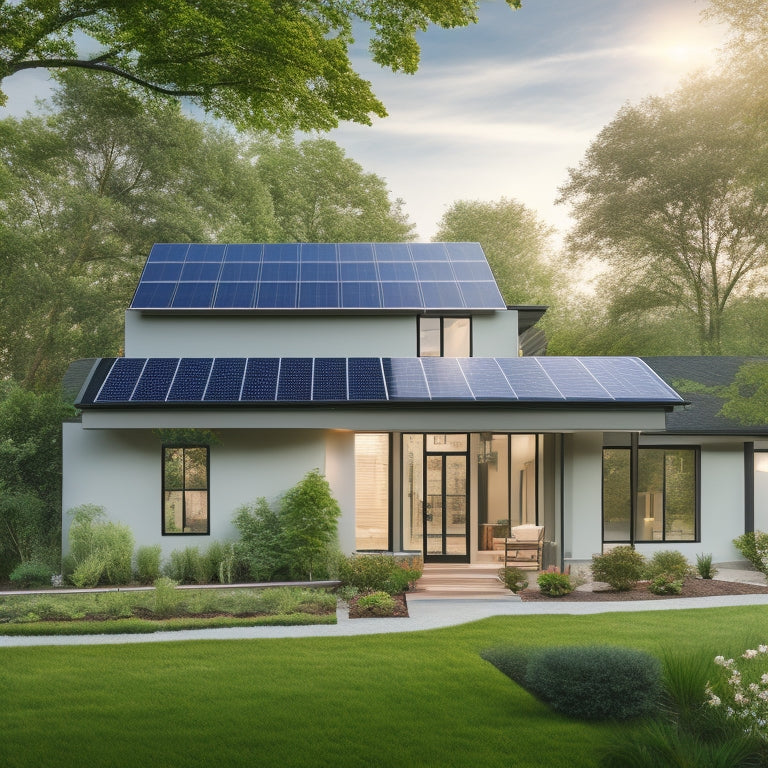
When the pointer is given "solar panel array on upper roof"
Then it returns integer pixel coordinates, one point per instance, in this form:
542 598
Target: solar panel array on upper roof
302 380
317 276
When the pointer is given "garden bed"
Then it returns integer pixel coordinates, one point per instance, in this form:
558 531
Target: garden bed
400 610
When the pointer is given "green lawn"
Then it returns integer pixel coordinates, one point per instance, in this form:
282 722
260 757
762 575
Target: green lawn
422 699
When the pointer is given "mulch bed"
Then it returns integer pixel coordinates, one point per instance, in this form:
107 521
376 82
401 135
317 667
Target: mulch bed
692 587
401 609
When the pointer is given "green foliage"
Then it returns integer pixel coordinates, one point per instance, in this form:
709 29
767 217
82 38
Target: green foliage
187 436
668 562
509 659
665 584
554 584
753 546
100 551
378 573
746 400
514 579
261 547
595 682
148 563
186 566
31 574
219 562
260 65
621 568
376 604
704 566
166 597
309 515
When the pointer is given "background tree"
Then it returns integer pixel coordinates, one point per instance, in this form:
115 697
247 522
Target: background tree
516 242
669 197
259 63
321 195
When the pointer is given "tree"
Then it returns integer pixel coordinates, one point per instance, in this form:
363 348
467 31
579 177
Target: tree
516 242
84 193
671 197
321 195
258 63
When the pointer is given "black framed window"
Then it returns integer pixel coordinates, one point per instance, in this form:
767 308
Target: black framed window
185 489
444 337
667 501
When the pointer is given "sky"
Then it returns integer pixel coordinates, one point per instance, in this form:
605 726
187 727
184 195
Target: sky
504 107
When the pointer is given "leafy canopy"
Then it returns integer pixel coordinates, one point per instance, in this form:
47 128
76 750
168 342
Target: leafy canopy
257 63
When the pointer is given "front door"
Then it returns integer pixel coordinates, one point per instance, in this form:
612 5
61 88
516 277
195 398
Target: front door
446 518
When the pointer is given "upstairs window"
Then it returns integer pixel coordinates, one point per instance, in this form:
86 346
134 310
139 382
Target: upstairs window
185 490
445 337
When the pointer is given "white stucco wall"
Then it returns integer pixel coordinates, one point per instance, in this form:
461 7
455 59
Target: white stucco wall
121 471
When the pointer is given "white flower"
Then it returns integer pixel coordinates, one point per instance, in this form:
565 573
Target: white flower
762 648
714 701
720 660
749 654
739 698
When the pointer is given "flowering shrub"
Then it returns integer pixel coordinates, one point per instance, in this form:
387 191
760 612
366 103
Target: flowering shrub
745 700
753 545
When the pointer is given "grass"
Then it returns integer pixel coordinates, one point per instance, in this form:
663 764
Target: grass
422 699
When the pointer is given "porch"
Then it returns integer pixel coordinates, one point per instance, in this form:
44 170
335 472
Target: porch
460 580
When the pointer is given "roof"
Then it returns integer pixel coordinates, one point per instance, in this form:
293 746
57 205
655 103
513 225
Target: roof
702 415
291 381
312 277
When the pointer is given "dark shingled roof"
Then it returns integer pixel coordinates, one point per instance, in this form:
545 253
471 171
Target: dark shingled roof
702 416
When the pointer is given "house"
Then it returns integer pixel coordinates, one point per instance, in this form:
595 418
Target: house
400 373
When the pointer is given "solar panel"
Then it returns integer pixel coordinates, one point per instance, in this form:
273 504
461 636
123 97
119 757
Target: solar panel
409 276
294 380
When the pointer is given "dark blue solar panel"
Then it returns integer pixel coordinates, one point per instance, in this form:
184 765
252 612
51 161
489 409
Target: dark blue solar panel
318 295
325 252
627 378
226 380
573 380
329 380
446 295
445 379
360 296
244 252
295 379
472 271
203 252
280 271
155 380
162 270
121 380
481 295
197 271
193 295
392 252
397 271
405 378
284 252
319 270
429 251
366 379
168 252
191 380
434 270
464 251
486 379
528 379
235 296
276 296
358 270
356 251
240 270
401 295
153 295
260 382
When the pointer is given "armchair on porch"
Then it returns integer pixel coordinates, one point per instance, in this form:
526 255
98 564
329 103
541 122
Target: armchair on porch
523 548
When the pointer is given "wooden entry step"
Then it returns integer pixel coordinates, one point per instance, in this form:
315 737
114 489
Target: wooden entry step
459 580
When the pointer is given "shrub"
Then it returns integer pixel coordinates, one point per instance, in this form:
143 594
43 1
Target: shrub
148 564
621 568
595 682
514 579
101 552
508 659
704 566
166 598
554 584
665 585
376 604
667 563
377 573
260 552
186 566
31 574
753 546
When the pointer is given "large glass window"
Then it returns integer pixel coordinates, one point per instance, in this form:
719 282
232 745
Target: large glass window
667 495
372 492
185 490
445 337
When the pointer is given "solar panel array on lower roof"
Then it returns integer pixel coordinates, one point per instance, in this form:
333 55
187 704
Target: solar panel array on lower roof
297 380
317 276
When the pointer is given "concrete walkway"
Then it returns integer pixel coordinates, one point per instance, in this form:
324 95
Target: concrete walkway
425 613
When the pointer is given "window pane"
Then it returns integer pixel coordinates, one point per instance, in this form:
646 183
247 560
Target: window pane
616 494
196 512
680 495
195 467
413 491
429 336
650 495
174 469
173 512
372 491
456 337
